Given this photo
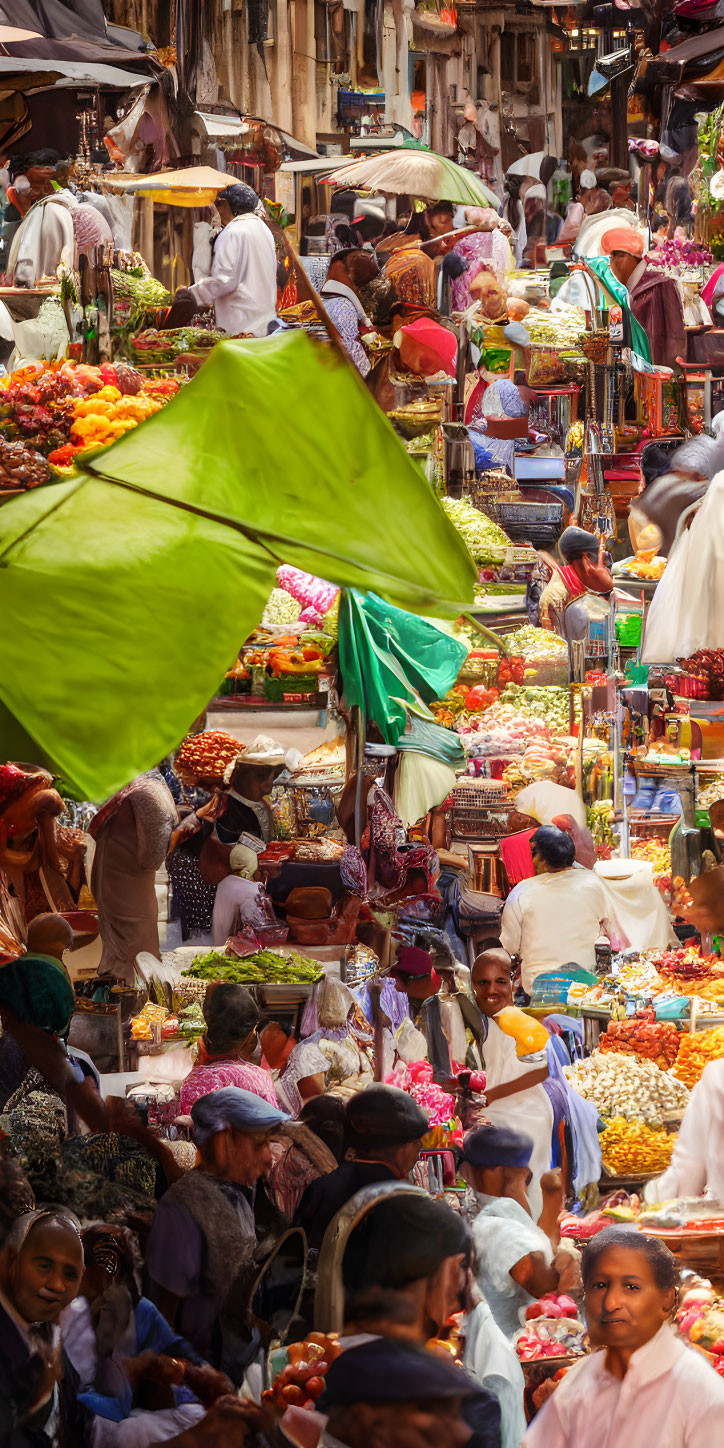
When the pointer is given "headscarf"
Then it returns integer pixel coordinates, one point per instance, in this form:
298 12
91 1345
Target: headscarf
412 274
244 862
38 990
234 1108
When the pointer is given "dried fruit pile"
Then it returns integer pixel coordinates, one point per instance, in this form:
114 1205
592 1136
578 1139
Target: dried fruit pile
206 756
696 1051
657 1041
620 1085
629 1148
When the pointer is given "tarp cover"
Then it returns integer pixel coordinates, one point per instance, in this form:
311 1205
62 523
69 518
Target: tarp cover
126 593
388 657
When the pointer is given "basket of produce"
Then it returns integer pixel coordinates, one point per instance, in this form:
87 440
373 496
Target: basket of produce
263 967
416 417
156 349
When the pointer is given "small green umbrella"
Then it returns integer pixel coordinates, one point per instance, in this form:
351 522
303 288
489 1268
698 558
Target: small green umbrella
126 593
424 174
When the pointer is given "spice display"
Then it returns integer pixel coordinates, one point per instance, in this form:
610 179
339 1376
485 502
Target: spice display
656 1041
630 1148
697 1049
263 966
622 1085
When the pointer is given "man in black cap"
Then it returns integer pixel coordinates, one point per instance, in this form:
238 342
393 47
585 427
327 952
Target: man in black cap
390 1393
384 1128
583 571
243 283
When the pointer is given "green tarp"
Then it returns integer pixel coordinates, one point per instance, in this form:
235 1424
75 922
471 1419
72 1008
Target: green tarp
126 593
389 658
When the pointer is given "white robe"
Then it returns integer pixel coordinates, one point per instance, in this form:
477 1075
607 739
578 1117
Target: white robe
243 281
670 1397
529 1111
697 1162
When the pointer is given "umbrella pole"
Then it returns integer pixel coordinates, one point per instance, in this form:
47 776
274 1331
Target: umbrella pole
304 286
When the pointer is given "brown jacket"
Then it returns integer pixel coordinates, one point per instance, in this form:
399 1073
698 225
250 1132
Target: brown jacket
656 305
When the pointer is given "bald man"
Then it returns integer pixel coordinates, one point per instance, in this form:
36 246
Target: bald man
514 1092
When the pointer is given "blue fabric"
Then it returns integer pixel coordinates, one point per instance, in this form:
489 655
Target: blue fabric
230 1106
448 883
559 1101
583 1119
153 1334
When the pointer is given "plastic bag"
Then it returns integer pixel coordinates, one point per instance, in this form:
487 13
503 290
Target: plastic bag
544 800
528 1033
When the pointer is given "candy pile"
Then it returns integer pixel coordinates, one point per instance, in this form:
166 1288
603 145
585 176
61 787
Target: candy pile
657 1041
658 854
696 1051
709 793
620 1085
630 1148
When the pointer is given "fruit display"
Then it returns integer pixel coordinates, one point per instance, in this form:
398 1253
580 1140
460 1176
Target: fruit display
136 292
552 1305
599 818
700 1320
697 1049
545 702
658 855
58 409
301 1380
552 1329
706 666
484 540
148 1024
621 1085
263 967
630 1148
536 645
157 349
656 1041
644 564
205 757
21 467
687 972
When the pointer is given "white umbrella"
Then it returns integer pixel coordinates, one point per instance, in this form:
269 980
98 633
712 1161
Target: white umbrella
423 174
528 165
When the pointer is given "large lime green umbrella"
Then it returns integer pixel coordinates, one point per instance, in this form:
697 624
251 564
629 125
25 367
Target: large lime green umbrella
408 172
126 593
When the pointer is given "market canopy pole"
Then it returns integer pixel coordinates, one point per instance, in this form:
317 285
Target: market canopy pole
127 591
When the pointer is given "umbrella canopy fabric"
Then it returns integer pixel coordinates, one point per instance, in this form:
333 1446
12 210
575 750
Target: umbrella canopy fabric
127 592
195 186
408 172
528 165
390 658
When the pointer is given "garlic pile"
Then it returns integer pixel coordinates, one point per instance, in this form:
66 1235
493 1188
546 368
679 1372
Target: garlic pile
621 1085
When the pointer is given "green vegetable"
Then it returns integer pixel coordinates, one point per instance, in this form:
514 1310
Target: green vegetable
485 541
264 965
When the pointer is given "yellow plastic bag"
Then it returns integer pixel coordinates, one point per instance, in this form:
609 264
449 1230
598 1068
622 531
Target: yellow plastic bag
528 1033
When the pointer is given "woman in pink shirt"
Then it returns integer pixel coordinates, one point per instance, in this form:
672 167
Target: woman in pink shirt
227 1047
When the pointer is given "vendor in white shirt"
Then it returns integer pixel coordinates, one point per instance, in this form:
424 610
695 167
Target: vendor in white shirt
514 1075
557 917
697 1162
641 1384
243 284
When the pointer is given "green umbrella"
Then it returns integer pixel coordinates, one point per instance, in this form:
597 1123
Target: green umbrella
391 659
415 173
126 592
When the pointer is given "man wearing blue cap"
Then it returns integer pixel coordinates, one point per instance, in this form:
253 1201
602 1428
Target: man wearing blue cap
515 1258
200 1253
243 284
